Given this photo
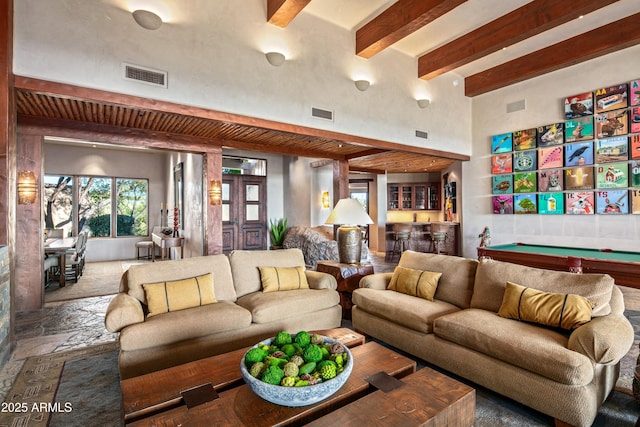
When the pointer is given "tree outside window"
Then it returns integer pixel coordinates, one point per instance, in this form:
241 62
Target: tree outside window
94 206
131 208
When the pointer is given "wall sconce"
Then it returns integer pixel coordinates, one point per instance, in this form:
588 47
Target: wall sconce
275 58
215 192
362 85
146 19
325 200
423 103
27 188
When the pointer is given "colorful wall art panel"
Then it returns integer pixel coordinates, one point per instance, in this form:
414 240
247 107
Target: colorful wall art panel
525 182
580 129
552 134
525 139
610 124
578 105
612 202
611 98
635 201
614 175
550 157
634 171
579 178
502 184
550 204
501 163
634 93
580 203
550 180
525 160
503 205
525 204
634 120
611 149
502 143
635 147
578 154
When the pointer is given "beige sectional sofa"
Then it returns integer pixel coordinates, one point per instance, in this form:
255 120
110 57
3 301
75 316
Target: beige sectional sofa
566 374
242 315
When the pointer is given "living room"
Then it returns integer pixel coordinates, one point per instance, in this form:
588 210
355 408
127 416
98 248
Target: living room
221 70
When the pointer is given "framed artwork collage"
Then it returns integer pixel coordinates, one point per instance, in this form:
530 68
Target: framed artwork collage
587 164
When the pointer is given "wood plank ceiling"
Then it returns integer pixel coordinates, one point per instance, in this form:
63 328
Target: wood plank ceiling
134 119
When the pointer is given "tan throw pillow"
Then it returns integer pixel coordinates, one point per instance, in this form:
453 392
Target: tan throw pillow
163 297
283 278
417 283
566 311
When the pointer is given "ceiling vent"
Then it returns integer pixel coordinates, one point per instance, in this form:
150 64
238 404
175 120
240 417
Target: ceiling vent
322 114
422 134
144 75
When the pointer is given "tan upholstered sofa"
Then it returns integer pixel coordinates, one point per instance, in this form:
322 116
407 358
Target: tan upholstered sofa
242 316
565 374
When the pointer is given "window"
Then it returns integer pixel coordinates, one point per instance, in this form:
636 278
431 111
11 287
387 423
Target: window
92 207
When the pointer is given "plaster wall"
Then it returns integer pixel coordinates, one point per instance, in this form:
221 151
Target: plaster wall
84 160
544 97
213 52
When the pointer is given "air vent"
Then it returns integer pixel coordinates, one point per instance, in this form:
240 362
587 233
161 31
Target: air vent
322 114
422 134
144 75
516 106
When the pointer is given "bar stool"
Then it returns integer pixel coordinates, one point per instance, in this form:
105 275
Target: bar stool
438 238
401 239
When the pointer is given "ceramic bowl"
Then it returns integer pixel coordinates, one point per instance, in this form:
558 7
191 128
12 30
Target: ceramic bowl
298 396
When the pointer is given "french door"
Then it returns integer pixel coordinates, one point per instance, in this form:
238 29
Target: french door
244 212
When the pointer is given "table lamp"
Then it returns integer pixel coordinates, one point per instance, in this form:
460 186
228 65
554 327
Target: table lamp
349 214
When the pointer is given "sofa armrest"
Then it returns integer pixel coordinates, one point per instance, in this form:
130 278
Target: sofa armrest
376 281
604 340
319 280
123 310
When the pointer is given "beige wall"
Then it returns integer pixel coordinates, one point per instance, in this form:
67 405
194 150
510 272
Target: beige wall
544 105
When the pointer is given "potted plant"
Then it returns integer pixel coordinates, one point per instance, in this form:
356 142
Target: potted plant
277 230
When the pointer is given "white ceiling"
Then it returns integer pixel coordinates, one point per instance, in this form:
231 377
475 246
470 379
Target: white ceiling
353 14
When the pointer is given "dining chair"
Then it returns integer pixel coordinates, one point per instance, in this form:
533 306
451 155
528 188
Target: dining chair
74 262
147 244
50 265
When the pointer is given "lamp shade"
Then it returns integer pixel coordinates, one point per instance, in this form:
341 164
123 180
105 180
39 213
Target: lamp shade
348 211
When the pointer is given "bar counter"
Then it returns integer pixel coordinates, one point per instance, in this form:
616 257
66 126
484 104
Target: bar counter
421 237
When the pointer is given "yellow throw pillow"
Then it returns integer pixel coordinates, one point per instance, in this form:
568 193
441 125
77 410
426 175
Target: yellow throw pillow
163 297
566 311
418 283
283 278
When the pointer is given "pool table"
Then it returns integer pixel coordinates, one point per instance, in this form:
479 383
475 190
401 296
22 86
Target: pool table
623 266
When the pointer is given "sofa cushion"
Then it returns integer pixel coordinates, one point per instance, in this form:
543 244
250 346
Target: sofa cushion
537 349
492 278
163 297
283 278
566 311
411 312
155 272
183 325
244 266
417 283
456 283
266 307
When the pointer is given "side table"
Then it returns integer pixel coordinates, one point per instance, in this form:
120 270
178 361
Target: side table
348 277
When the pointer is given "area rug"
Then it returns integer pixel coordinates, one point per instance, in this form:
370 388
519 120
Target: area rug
34 398
98 279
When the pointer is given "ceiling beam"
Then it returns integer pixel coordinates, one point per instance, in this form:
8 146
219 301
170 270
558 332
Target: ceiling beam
364 153
398 21
609 38
525 22
282 12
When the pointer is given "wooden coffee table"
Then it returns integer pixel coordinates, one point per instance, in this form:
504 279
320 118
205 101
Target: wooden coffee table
155 398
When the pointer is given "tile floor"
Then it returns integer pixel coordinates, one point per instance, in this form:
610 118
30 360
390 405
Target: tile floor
66 325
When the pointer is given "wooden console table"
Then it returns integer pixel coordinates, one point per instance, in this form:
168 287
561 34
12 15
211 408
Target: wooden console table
165 243
348 277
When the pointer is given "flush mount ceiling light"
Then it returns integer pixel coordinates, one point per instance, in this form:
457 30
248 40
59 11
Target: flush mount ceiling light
146 19
423 103
275 58
362 85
